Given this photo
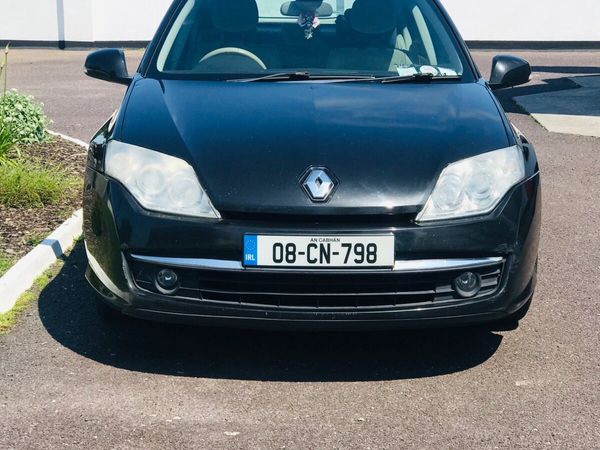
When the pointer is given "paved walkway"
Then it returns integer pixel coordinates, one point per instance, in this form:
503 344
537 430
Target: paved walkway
572 111
67 379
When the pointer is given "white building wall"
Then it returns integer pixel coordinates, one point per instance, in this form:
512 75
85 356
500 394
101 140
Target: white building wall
78 16
137 20
526 20
33 20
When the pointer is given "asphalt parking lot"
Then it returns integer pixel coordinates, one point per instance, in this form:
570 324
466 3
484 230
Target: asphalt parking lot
68 379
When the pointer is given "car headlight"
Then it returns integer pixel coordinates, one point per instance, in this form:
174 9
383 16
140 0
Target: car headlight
474 186
158 182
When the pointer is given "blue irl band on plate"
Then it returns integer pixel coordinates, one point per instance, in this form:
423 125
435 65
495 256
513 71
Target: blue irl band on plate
250 250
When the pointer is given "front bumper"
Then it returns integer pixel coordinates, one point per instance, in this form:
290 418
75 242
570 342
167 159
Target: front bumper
126 245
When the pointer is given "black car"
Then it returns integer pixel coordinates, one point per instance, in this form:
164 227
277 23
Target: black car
337 163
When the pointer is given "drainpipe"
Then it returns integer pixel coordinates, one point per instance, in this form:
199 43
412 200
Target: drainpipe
60 21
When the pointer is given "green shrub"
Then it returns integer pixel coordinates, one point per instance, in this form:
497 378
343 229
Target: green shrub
25 117
31 185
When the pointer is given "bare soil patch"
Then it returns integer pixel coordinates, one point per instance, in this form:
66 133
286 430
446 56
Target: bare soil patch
21 229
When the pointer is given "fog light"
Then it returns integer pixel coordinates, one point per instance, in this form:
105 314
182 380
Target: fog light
467 284
167 281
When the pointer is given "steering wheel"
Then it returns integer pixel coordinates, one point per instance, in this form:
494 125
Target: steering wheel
241 60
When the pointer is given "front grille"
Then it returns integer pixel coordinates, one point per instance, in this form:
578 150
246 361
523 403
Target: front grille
318 290
381 218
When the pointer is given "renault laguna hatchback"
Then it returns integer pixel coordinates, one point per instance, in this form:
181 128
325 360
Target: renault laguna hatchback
311 163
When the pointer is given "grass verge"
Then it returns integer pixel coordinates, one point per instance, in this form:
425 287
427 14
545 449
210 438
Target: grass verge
6 262
27 185
11 318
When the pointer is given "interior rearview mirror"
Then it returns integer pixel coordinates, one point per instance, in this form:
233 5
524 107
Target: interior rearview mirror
108 64
509 71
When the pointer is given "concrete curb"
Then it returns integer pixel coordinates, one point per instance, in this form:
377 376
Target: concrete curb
21 276
68 138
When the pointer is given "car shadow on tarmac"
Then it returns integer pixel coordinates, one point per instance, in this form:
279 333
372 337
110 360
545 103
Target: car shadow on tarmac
67 310
507 96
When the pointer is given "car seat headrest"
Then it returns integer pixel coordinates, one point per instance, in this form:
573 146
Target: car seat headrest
373 16
234 16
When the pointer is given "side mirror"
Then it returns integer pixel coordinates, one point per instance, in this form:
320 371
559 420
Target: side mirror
108 64
509 71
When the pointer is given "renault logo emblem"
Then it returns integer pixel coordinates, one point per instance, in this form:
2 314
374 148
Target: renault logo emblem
318 183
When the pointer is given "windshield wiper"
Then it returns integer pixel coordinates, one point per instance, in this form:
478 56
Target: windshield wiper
417 77
306 76
301 76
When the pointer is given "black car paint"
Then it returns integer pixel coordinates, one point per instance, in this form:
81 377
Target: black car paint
512 231
249 144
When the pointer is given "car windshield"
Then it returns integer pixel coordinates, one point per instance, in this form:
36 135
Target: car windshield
233 39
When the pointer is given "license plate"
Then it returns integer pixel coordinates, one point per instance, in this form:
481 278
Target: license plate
319 251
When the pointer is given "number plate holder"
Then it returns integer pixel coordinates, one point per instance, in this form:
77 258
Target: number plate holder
320 251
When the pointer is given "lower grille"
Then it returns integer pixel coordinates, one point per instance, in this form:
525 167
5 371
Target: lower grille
318 290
